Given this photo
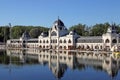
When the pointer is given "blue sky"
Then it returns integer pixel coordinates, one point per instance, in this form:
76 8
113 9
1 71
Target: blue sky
71 12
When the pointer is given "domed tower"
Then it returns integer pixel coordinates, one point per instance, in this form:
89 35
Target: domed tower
58 29
111 38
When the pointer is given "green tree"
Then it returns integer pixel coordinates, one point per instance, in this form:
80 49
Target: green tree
17 31
35 32
99 29
80 29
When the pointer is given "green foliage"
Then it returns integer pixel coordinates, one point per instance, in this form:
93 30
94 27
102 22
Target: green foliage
17 31
35 32
99 29
4 31
95 30
80 29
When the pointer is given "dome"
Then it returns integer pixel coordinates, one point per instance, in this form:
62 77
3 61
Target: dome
59 22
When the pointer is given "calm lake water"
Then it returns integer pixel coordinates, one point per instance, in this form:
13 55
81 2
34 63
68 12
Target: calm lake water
58 65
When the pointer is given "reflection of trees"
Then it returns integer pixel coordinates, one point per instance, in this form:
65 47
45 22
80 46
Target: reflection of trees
80 66
98 68
5 59
58 63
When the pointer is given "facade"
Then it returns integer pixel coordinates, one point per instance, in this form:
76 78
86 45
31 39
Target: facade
59 37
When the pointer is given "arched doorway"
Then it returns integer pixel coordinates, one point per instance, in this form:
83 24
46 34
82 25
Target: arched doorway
107 41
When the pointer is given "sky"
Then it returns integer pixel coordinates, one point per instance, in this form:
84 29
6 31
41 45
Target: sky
71 12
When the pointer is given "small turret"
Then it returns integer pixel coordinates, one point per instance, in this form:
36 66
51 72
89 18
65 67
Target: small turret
112 29
25 35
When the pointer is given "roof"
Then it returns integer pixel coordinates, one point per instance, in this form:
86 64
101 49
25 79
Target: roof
25 35
88 39
59 22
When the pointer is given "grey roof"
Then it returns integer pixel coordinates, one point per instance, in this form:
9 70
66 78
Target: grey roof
89 39
59 22
34 39
25 35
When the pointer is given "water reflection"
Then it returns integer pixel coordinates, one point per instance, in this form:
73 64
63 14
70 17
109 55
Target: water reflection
59 61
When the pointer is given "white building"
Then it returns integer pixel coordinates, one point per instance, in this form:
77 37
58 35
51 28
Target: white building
59 37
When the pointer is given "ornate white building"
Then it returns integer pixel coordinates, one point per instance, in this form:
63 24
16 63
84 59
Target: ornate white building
59 37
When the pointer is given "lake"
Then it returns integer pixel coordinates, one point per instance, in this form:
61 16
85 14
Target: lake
33 64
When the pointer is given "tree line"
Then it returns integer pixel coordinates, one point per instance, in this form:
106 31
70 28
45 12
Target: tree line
35 31
16 32
95 30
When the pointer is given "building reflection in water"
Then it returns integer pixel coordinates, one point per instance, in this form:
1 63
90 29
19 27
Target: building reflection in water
59 61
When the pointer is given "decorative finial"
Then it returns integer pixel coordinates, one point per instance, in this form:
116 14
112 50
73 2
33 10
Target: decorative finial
9 24
58 17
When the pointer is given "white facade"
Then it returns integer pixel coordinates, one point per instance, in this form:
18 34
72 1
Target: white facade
59 37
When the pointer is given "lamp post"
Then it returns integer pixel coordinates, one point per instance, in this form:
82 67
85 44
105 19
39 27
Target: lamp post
10 33
10 30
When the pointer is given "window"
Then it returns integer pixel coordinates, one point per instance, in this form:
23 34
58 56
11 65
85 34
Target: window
60 41
53 33
40 41
43 41
55 27
107 41
64 41
56 41
69 41
96 47
114 41
64 47
60 28
47 41
60 47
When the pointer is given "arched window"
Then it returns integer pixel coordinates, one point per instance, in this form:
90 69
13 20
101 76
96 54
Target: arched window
55 27
64 41
96 47
53 33
43 46
43 41
56 41
40 41
47 41
60 47
114 41
69 41
60 41
107 41
64 47
88 47
53 41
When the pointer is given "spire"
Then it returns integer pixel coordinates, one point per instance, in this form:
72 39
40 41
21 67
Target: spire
58 17
112 28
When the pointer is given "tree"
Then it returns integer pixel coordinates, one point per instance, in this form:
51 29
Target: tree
17 31
80 29
99 29
35 32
